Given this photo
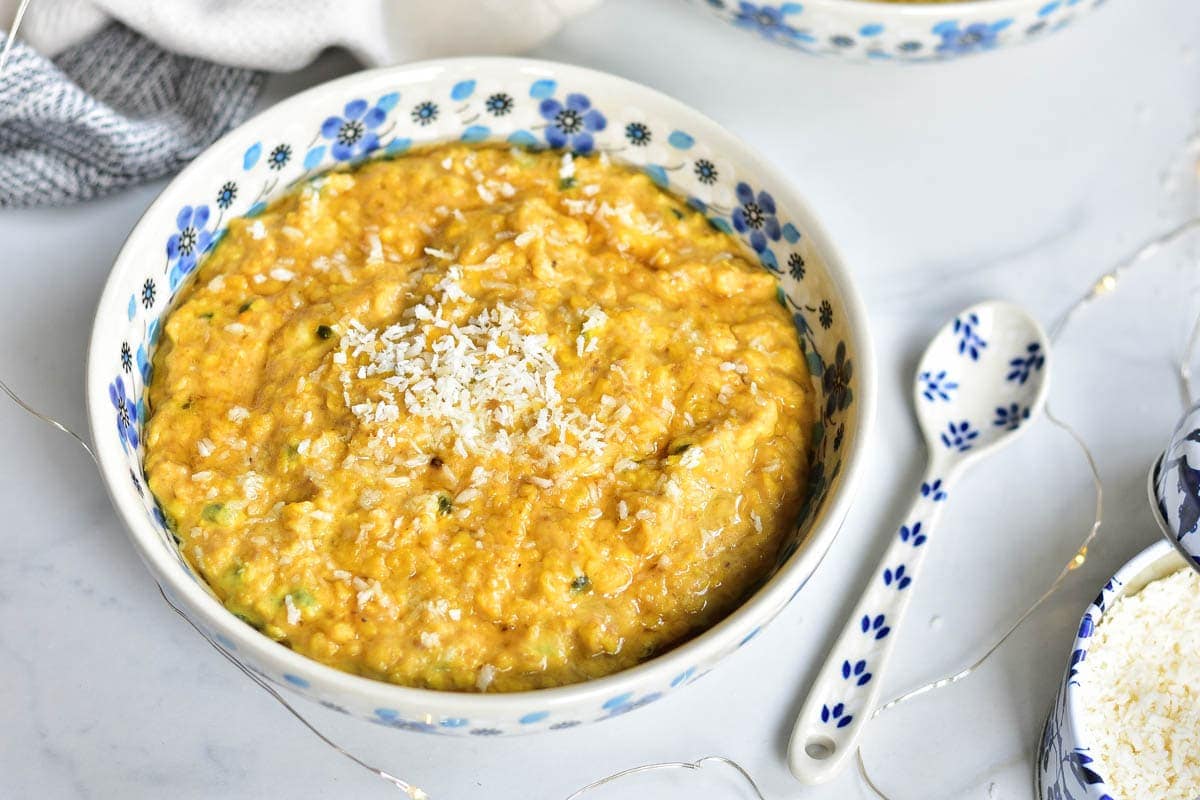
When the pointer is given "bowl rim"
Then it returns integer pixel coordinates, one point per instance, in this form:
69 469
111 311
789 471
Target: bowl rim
1134 575
928 10
322 679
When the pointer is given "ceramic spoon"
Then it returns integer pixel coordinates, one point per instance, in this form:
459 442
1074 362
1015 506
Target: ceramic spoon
980 382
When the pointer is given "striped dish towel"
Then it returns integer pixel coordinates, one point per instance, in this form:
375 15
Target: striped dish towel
109 112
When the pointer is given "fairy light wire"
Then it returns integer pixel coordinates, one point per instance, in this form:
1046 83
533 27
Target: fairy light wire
12 33
413 792
1103 286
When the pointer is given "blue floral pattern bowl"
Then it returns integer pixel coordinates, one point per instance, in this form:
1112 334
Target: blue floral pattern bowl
384 113
1065 768
869 30
1175 487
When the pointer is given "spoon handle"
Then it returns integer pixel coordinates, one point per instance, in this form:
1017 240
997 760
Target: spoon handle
846 690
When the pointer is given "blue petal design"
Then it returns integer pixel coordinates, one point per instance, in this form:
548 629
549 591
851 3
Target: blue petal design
374 117
790 233
185 217
720 224
200 218
342 152
617 701
744 193
680 140
330 127
313 157
388 101
398 145
578 102
739 220
594 121
462 90
522 138
549 108
250 158
173 245
583 143
132 306
771 228
355 109
657 174
555 137
475 133
542 88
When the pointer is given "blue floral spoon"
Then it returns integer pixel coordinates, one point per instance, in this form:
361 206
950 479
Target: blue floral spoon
982 379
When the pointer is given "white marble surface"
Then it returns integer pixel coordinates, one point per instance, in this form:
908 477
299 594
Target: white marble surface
1021 174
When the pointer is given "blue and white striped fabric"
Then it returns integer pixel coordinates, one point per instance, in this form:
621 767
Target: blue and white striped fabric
110 112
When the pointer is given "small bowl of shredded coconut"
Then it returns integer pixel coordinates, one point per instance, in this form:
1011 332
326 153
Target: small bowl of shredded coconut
1126 722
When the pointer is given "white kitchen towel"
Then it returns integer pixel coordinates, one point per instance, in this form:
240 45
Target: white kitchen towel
101 94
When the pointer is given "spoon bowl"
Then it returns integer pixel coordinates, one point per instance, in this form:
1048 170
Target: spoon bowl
982 379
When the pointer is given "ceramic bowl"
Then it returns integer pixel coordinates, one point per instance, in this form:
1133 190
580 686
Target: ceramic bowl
1175 487
528 104
869 30
1065 768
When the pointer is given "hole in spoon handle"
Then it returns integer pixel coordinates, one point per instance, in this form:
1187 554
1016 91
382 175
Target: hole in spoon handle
846 691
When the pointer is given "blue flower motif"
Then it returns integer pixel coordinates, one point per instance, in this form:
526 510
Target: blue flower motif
573 123
424 113
706 171
935 386
769 20
934 491
499 104
227 195
836 715
279 157
959 436
897 577
127 415
1024 366
148 293
858 671
353 134
836 382
638 134
386 716
187 244
161 519
1010 418
126 357
756 215
970 343
912 534
796 265
975 37
874 626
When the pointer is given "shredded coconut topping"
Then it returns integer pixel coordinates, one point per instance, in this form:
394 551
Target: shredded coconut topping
480 381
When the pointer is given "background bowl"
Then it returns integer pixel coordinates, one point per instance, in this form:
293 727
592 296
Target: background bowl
1065 768
879 31
477 100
